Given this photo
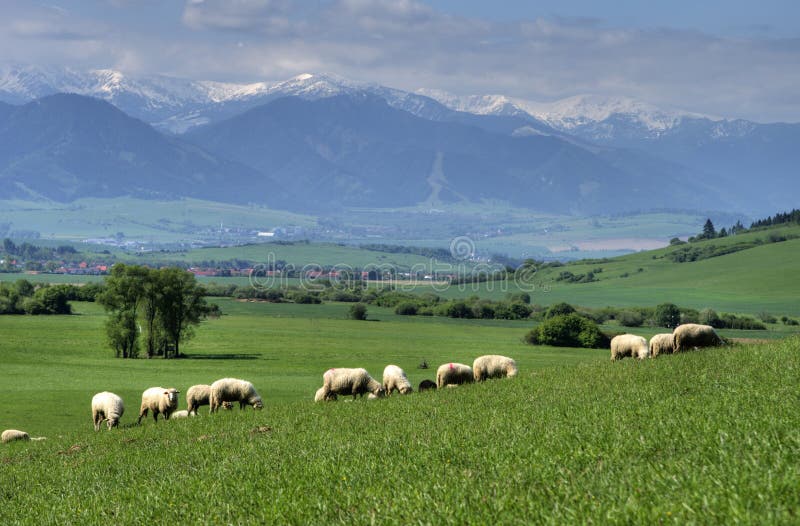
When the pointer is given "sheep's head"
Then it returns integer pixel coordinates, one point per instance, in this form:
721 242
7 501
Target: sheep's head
112 422
379 392
227 405
257 403
406 389
172 396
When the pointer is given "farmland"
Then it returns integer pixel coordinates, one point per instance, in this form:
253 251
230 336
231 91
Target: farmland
710 436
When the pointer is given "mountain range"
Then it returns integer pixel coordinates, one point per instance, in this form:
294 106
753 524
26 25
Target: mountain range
318 142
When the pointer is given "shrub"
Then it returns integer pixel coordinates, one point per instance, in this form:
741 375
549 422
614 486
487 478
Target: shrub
710 317
570 330
766 317
406 308
358 312
454 309
667 315
629 318
559 309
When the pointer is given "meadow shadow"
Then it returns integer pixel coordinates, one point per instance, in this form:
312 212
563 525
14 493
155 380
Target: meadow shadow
222 356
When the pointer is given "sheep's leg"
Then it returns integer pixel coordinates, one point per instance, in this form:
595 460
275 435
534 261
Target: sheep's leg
142 414
155 416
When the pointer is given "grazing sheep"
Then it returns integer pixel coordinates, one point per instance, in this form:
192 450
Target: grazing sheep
10 435
319 396
453 374
426 385
661 344
629 345
394 378
693 336
158 400
234 390
493 366
198 395
106 406
354 382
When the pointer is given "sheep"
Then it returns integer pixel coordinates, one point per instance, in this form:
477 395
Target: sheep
394 378
453 374
319 396
692 336
158 400
106 406
183 413
629 345
198 395
661 344
493 366
354 382
426 385
10 435
234 390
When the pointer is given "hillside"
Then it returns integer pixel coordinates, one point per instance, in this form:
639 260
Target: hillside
575 438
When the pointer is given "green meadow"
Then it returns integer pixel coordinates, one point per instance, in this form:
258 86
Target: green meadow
706 437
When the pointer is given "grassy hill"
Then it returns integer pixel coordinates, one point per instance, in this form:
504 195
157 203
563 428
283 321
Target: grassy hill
710 436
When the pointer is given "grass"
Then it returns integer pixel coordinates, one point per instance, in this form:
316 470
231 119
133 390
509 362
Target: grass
704 437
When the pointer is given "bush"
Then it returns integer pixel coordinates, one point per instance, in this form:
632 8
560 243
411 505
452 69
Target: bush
570 330
357 312
766 317
710 317
629 318
667 315
454 309
406 308
559 309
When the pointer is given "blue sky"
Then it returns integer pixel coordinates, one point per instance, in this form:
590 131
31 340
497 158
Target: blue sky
725 58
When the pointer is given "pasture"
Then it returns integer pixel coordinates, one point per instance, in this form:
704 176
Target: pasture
704 437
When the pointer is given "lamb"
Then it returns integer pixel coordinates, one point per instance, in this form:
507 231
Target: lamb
693 336
107 406
11 435
158 400
426 385
629 345
198 395
234 390
354 382
661 344
394 378
453 374
319 396
493 366
183 413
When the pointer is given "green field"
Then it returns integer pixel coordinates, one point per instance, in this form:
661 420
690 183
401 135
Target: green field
704 437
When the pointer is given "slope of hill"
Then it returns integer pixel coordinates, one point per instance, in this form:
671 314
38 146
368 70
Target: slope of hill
63 147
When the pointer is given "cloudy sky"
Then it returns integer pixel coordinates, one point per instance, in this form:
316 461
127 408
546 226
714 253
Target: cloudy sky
730 58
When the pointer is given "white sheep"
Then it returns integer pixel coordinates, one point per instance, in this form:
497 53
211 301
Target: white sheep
493 366
106 406
10 435
661 344
345 381
198 395
159 400
234 390
183 413
454 374
693 336
319 396
629 345
394 378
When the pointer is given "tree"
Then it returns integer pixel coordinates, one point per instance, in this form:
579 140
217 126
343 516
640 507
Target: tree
570 330
181 305
559 309
358 312
121 297
667 315
709 232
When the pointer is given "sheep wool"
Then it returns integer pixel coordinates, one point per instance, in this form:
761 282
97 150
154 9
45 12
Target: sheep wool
629 345
319 396
395 379
694 336
234 390
183 413
453 374
661 344
426 385
159 400
11 435
355 382
106 406
493 366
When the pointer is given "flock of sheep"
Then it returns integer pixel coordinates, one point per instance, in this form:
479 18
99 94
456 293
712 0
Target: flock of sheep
108 407
684 338
357 382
